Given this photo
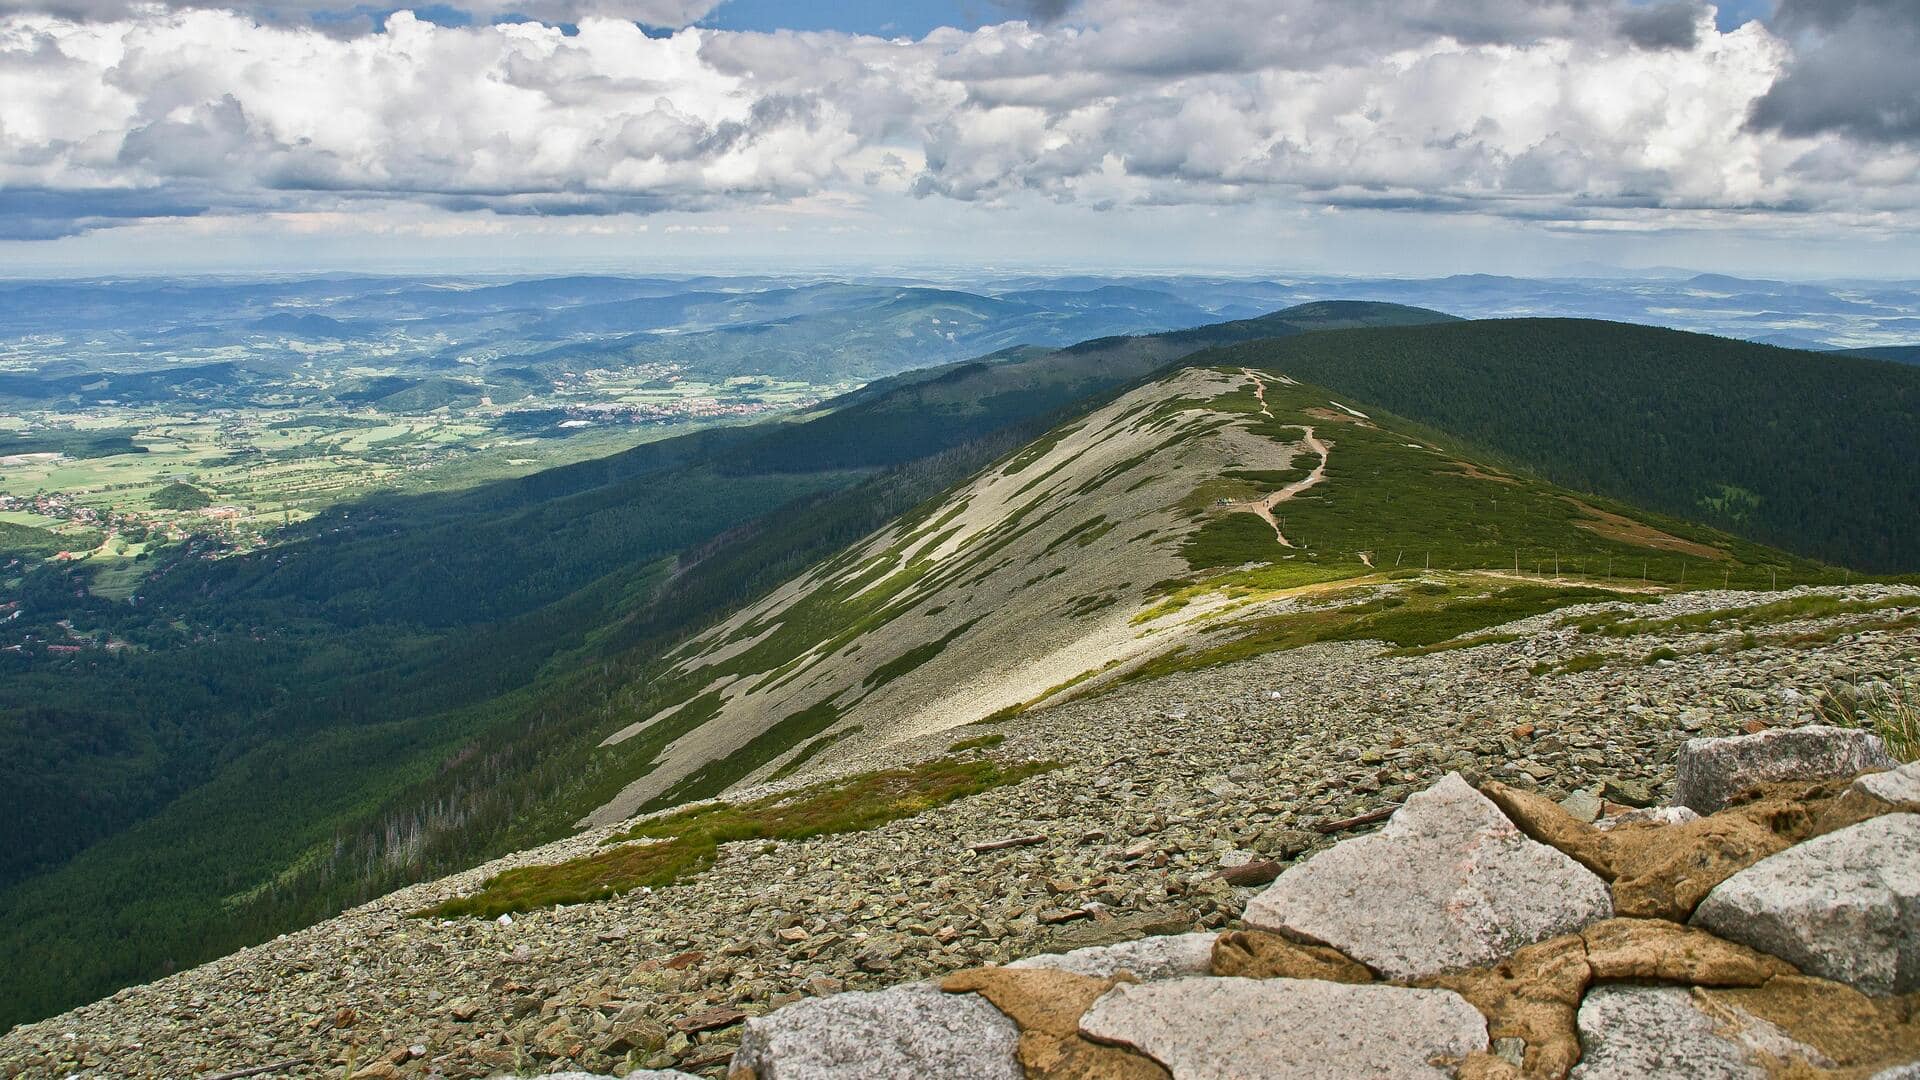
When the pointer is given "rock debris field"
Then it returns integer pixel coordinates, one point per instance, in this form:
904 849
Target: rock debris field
1327 862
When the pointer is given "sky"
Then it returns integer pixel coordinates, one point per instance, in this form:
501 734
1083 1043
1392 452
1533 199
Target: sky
1335 136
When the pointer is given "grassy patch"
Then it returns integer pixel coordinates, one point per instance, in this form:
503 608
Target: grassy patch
1231 540
1617 624
812 750
1409 622
978 742
1860 626
682 844
1459 643
1571 665
717 776
914 657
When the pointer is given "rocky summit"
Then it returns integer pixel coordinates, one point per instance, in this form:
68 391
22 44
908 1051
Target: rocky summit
1336 860
1450 944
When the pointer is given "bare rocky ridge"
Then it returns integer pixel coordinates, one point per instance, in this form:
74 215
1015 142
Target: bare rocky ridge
1016 586
1166 783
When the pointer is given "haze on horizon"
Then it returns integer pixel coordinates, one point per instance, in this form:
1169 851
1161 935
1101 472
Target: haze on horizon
1367 137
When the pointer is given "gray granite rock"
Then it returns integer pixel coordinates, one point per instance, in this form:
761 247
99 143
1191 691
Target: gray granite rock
1582 805
1652 815
1170 957
1896 786
1709 772
1909 1071
643 1074
905 1033
1449 883
1281 1029
1844 906
1635 1032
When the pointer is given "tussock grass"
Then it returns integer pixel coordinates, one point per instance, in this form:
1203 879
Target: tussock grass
1893 715
663 850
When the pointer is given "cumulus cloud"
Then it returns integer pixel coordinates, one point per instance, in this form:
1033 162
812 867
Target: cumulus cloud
1853 71
1547 111
351 16
1662 26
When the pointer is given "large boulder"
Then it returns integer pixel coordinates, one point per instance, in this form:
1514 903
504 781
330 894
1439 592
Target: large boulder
1633 1032
1046 1004
1894 787
1169 956
1709 772
1844 906
904 1033
1449 883
1280 1029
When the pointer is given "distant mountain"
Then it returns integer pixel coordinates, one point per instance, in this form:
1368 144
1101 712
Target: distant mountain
311 326
863 332
1903 354
961 401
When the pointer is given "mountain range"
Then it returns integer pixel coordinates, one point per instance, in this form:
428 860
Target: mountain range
408 685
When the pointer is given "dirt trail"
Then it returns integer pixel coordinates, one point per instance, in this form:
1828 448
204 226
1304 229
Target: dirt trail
1264 507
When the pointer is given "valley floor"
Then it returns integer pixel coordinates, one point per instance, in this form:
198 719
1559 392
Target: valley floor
1158 781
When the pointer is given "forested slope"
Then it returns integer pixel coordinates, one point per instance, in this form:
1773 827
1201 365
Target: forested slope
1811 452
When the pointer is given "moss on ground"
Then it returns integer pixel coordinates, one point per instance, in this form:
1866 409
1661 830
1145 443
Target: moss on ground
663 850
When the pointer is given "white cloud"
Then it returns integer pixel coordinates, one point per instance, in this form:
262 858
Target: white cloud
349 16
1555 111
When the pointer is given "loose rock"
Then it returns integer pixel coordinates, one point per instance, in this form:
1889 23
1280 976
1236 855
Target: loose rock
1635 1032
1281 1029
1047 1005
1449 883
1845 906
1169 956
906 1033
1709 772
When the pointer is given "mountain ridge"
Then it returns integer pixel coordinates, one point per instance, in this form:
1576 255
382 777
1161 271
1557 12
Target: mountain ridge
1181 517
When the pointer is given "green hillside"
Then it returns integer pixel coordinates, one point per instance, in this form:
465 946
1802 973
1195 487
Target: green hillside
1811 452
1201 517
435 666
